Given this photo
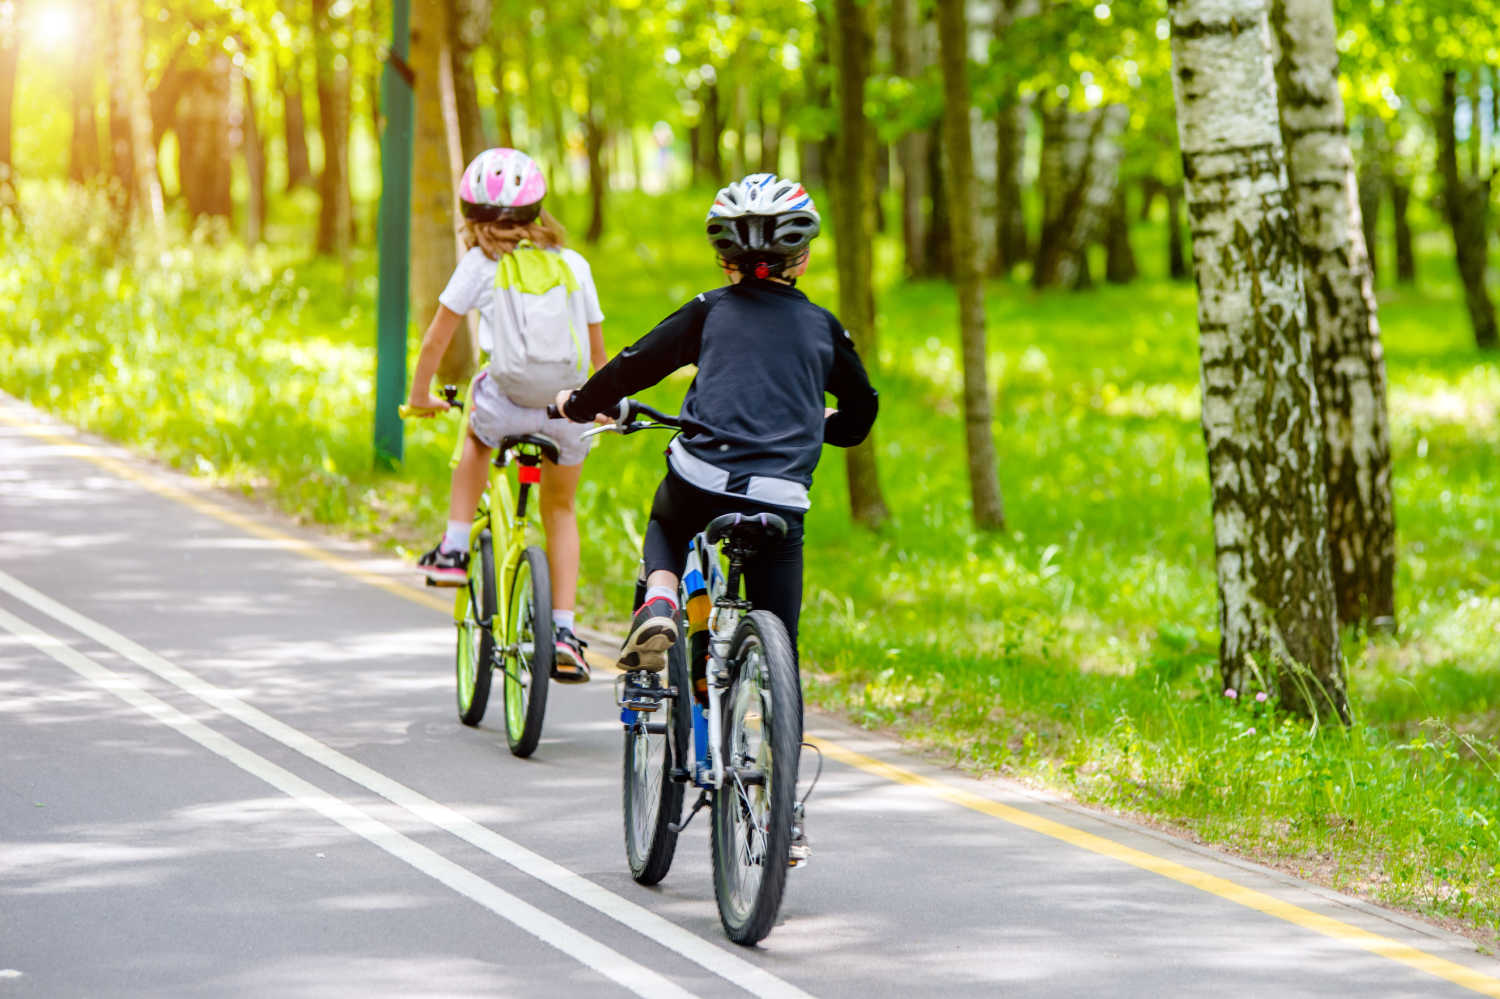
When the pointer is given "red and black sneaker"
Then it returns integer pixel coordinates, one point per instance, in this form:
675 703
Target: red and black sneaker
652 633
444 568
569 664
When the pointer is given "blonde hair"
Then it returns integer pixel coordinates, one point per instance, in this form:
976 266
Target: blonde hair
502 237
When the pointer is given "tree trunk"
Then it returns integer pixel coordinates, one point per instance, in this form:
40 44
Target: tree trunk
1151 189
1073 188
594 137
507 136
467 24
1406 259
129 63
255 162
335 206
202 127
10 53
1010 151
815 154
1011 243
712 136
907 59
1277 618
83 151
1120 266
1098 201
298 162
937 251
1348 359
1467 205
1371 190
770 135
963 198
852 184
1177 263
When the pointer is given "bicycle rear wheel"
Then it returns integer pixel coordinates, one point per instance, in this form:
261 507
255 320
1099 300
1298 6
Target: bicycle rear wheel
475 655
752 812
652 799
530 650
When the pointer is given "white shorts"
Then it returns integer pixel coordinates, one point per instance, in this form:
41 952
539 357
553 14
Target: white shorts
492 417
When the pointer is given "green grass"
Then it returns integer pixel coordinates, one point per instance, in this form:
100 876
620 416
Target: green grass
1076 649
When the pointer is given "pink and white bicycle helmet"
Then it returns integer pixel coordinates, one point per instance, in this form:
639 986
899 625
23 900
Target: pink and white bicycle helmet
763 223
500 184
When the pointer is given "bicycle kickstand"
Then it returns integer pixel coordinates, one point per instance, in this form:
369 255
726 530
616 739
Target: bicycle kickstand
800 850
677 827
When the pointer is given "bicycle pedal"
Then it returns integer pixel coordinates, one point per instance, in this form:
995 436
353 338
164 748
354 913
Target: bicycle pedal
643 705
798 855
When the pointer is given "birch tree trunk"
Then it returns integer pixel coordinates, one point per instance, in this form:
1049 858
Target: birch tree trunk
1348 358
852 183
1277 619
963 199
1070 140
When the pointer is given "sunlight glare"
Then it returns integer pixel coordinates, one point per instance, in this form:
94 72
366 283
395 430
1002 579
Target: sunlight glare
52 26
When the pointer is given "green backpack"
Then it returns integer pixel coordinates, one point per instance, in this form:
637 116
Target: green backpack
539 350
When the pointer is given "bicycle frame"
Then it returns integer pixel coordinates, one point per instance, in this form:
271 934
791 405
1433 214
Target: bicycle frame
507 535
724 618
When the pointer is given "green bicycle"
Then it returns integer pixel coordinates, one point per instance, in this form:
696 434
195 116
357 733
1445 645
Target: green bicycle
513 637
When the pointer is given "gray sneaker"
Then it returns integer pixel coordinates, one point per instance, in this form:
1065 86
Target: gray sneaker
652 633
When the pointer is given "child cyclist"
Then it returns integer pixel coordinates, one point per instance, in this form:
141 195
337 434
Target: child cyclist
754 419
501 193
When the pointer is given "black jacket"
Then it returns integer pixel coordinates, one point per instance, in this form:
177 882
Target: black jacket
752 420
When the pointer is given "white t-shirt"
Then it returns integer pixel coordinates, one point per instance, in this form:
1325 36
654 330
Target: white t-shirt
472 286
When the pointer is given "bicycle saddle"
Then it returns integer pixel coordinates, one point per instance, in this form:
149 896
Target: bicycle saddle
746 529
546 445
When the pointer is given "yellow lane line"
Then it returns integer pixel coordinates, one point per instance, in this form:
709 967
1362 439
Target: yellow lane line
1386 947
1223 888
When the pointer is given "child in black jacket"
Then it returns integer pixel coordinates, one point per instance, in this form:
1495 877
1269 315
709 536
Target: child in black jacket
754 419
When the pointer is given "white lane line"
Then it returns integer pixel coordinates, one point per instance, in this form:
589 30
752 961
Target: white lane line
668 934
548 929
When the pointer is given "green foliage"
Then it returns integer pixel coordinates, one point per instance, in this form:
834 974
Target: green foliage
1076 650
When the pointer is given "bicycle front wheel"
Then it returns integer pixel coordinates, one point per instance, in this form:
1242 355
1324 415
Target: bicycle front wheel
652 799
752 811
476 643
529 651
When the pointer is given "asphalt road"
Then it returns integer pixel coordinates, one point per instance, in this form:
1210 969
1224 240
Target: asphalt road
230 766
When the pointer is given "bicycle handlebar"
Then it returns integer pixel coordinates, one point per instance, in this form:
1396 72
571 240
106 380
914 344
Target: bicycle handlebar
450 396
628 419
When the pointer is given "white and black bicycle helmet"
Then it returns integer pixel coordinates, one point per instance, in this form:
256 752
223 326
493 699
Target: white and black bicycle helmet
763 224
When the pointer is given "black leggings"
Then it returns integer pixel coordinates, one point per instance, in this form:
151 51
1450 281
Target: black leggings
773 578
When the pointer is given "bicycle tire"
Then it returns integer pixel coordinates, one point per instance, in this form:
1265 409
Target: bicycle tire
528 669
763 734
651 799
474 657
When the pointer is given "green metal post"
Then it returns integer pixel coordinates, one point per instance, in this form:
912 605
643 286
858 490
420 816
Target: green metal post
395 238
